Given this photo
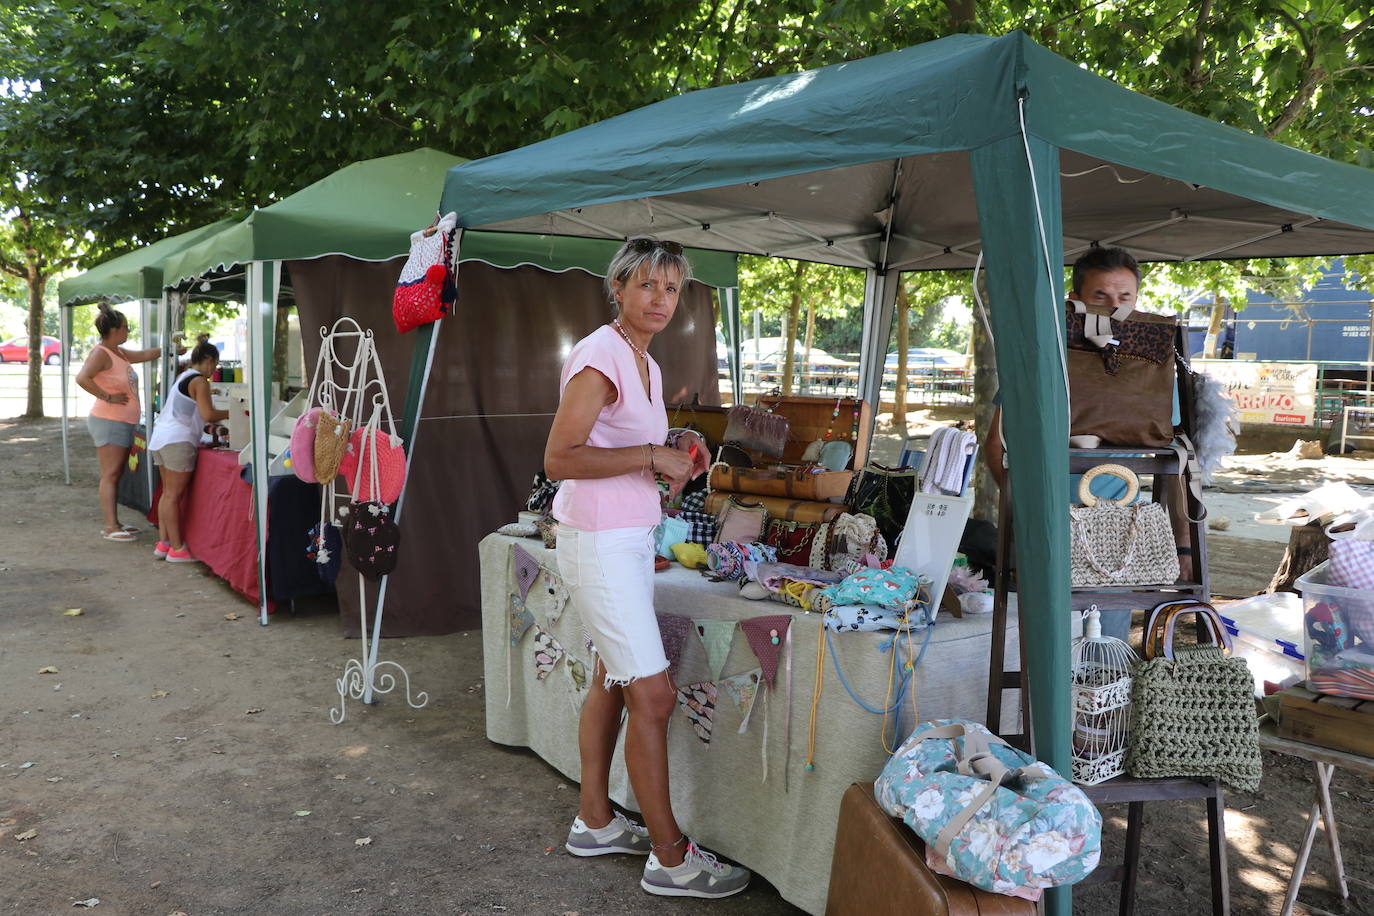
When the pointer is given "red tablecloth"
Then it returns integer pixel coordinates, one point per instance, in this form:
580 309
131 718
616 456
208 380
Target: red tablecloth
217 521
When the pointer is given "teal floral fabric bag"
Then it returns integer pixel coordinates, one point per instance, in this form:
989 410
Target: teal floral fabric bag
989 814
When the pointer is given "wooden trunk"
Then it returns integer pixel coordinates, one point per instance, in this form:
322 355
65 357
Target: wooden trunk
793 483
810 419
1343 723
793 510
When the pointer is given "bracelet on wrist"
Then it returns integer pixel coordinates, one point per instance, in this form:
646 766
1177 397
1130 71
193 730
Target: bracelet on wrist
652 466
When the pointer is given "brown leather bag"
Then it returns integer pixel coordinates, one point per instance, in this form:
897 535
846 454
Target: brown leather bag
879 869
793 510
798 482
1121 375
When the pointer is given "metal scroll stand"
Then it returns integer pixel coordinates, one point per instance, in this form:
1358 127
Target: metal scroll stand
363 677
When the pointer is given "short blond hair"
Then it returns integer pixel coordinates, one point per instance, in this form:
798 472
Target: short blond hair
645 255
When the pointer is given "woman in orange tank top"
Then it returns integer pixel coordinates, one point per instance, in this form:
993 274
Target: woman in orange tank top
108 376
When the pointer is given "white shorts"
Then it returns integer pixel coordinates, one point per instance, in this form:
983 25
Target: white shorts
610 580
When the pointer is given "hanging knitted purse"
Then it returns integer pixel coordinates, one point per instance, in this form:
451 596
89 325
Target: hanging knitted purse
385 450
302 446
1193 707
753 428
331 441
1115 543
371 538
426 290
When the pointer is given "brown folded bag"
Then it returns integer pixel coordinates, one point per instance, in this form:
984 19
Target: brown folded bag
795 483
794 510
879 869
1123 393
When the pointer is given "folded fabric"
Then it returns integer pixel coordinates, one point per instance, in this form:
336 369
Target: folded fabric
891 588
690 555
772 575
867 618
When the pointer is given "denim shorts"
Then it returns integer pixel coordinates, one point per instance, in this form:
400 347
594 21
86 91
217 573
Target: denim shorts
610 580
110 432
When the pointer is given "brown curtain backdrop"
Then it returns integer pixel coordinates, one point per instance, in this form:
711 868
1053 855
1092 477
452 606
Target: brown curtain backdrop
493 391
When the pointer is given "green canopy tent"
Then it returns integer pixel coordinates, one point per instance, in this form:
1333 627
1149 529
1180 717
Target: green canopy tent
136 276
931 157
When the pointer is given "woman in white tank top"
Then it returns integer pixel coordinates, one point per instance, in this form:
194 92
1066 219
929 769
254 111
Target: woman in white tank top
173 445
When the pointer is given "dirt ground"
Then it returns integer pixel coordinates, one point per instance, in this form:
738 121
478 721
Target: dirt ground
180 761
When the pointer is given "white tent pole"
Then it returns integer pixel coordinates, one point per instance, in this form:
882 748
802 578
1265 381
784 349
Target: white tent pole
730 297
64 322
152 337
880 294
263 283
400 504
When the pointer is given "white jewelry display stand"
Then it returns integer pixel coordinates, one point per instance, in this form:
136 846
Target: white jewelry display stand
363 384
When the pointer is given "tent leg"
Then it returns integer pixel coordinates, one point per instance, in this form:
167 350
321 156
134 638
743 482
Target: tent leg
264 283
880 295
64 316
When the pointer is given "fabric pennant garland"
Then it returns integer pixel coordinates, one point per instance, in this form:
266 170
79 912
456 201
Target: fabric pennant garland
526 569
674 630
716 637
558 596
766 636
698 701
744 690
577 672
547 652
520 618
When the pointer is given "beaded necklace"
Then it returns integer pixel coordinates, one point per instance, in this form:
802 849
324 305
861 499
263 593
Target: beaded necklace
835 415
645 356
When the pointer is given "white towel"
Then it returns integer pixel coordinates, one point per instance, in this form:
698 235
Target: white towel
942 470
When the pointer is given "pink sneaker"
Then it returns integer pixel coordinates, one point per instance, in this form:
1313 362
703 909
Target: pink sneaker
161 549
181 556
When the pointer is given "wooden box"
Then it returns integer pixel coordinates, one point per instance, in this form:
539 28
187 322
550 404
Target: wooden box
793 483
1342 723
811 418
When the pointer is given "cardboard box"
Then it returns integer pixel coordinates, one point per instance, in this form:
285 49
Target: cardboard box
1342 723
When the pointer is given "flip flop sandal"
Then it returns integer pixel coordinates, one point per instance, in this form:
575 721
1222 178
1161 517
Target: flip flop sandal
130 529
120 535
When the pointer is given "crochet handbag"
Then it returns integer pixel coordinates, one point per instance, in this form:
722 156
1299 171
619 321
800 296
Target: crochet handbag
386 450
370 537
1115 543
1121 375
989 814
1193 707
331 441
427 290
303 445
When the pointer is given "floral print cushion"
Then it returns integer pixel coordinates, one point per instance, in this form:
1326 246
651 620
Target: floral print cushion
1038 831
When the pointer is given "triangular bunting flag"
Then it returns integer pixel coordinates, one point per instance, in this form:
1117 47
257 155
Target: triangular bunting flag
520 618
547 652
744 689
766 636
698 701
577 671
673 629
526 569
716 637
558 596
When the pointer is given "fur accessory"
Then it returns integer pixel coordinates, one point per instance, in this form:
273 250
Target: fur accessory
1217 423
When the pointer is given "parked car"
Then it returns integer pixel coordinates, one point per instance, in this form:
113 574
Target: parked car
918 358
16 350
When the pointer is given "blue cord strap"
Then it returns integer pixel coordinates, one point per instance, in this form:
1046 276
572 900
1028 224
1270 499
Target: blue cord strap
902 678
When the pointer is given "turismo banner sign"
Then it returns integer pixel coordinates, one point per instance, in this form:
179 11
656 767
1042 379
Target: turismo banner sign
1278 394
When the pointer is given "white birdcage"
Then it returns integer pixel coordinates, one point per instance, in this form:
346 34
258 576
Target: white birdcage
1102 670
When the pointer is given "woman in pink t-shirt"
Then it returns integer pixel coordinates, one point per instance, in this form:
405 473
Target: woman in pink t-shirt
108 375
605 445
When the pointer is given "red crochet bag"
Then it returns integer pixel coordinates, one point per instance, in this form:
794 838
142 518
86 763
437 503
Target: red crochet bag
427 290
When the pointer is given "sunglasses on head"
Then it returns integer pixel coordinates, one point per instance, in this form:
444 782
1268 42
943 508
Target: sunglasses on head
642 245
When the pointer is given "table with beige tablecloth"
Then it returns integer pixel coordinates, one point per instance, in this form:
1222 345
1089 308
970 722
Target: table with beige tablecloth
783 827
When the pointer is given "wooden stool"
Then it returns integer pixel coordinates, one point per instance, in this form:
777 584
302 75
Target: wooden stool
879 869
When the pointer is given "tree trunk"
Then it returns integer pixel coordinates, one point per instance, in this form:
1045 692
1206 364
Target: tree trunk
1308 547
903 345
810 334
985 386
789 341
280 339
1209 343
36 282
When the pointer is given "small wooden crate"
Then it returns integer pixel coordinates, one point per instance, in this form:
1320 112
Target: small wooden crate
811 418
1342 723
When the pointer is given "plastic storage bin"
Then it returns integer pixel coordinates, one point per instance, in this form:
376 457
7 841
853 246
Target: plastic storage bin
1338 631
1266 631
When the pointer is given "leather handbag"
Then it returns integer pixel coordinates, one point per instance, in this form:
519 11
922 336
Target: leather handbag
879 869
1193 706
1116 543
793 540
427 289
1121 375
885 494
